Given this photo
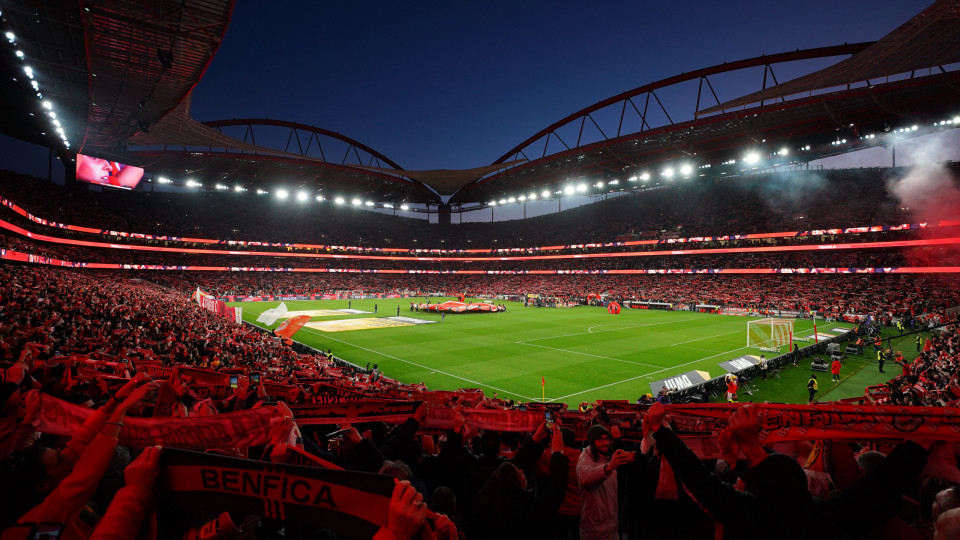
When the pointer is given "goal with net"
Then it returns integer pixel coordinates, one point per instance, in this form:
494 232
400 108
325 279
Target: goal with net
770 334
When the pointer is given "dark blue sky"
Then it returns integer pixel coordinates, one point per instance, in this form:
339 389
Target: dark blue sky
456 84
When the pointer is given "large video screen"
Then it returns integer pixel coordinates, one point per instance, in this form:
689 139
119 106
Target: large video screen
102 172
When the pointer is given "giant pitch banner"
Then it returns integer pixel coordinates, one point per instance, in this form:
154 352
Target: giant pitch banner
367 323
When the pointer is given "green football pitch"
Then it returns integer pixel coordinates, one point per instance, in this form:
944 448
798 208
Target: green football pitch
581 353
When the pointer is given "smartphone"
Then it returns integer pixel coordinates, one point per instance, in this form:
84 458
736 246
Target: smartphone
233 381
548 416
337 433
47 531
255 377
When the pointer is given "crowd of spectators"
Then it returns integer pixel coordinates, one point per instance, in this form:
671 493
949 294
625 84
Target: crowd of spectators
930 376
504 484
127 344
752 204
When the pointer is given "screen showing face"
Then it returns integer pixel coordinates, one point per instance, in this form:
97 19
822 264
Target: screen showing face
93 170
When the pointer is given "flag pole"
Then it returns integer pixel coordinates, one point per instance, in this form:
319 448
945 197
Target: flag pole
543 389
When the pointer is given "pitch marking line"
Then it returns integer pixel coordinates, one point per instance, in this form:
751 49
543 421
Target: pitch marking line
646 375
693 348
590 330
451 375
703 338
586 354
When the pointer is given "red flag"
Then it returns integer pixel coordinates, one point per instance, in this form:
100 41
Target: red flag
816 339
290 326
543 381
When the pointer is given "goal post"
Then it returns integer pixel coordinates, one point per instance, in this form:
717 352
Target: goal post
769 334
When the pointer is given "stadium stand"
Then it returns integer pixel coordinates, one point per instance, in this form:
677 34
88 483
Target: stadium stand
129 411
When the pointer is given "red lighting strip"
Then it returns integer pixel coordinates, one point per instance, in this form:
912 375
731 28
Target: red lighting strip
11 255
817 232
710 251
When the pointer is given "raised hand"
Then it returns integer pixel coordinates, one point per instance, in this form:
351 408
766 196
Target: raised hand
406 514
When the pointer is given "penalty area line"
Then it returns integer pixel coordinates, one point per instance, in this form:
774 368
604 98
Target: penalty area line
623 326
585 354
451 375
645 375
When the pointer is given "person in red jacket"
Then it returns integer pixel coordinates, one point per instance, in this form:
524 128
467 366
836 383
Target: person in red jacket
835 369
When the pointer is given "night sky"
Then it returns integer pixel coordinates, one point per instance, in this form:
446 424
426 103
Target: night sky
436 85
455 85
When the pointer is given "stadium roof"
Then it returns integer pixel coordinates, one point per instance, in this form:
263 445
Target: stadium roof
926 41
120 75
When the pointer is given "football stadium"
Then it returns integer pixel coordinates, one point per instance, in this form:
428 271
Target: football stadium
723 303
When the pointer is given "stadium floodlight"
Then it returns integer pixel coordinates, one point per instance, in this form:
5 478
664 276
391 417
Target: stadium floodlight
532 196
645 176
569 190
632 178
356 202
19 54
784 151
522 198
238 188
191 183
220 187
28 70
320 198
581 188
668 172
599 185
164 180
339 200
302 196
545 194
404 207
614 182
502 201
956 120
751 158
56 122
261 192
10 37
512 200
368 203
686 169
387 205
282 194
492 203
47 105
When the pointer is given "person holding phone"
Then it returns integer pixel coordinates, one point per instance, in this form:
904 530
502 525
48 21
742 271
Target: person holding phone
597 472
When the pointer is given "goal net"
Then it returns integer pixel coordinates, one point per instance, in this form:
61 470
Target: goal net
769 334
